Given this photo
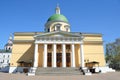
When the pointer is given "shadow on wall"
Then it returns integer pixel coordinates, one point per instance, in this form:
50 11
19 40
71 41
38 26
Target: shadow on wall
26 60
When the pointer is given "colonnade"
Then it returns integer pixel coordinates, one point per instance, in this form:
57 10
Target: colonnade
54 55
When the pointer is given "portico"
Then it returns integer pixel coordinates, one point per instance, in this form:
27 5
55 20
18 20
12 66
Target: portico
58 51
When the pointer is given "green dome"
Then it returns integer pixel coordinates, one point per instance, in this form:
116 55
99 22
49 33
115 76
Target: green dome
58 17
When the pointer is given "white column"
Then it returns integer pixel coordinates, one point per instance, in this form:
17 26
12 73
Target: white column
36 56
82 55
63 55
54 56
73 56
45 56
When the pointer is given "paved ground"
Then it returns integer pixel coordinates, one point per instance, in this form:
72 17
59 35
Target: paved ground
103 76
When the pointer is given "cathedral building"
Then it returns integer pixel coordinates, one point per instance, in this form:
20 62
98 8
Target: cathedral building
56 47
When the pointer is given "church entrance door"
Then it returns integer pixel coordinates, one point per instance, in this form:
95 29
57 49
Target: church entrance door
68 60
59 60
49 59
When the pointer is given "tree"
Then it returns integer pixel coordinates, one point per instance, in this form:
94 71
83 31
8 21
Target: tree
113 54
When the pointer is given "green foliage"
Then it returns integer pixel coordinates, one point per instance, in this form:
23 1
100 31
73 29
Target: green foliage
113 54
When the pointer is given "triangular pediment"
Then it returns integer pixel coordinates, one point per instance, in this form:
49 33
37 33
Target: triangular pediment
57 34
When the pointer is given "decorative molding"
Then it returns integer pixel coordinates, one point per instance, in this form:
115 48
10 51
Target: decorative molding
59 40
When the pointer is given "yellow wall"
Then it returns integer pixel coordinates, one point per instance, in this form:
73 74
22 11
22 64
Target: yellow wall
22 52
77 55
94 52
23 38
40 52
93 49
90 37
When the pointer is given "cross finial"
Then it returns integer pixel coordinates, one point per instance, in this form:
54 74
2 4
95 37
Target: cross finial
57 10
57 4
10 37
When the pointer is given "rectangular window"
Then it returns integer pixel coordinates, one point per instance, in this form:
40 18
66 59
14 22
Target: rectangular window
58 27
7 61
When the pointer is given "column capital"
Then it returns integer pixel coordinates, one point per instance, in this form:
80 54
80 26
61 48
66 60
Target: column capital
35 43
72 43
81 43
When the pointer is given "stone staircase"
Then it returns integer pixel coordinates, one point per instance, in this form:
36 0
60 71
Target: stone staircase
58 71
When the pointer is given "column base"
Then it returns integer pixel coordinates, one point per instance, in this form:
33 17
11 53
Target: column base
32 71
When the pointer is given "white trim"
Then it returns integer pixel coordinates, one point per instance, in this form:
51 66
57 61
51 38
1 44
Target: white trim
59 42
56 32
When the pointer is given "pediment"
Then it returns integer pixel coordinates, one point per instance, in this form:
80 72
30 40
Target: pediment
57 34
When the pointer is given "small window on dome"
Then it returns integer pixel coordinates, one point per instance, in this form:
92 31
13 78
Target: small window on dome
58 27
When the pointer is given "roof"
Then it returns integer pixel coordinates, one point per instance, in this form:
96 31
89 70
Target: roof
63 33
5 51
8 44
77 33
57 17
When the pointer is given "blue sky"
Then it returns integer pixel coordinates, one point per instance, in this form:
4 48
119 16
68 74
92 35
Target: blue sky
95 16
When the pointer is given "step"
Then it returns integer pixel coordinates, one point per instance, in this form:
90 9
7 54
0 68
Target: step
58 71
